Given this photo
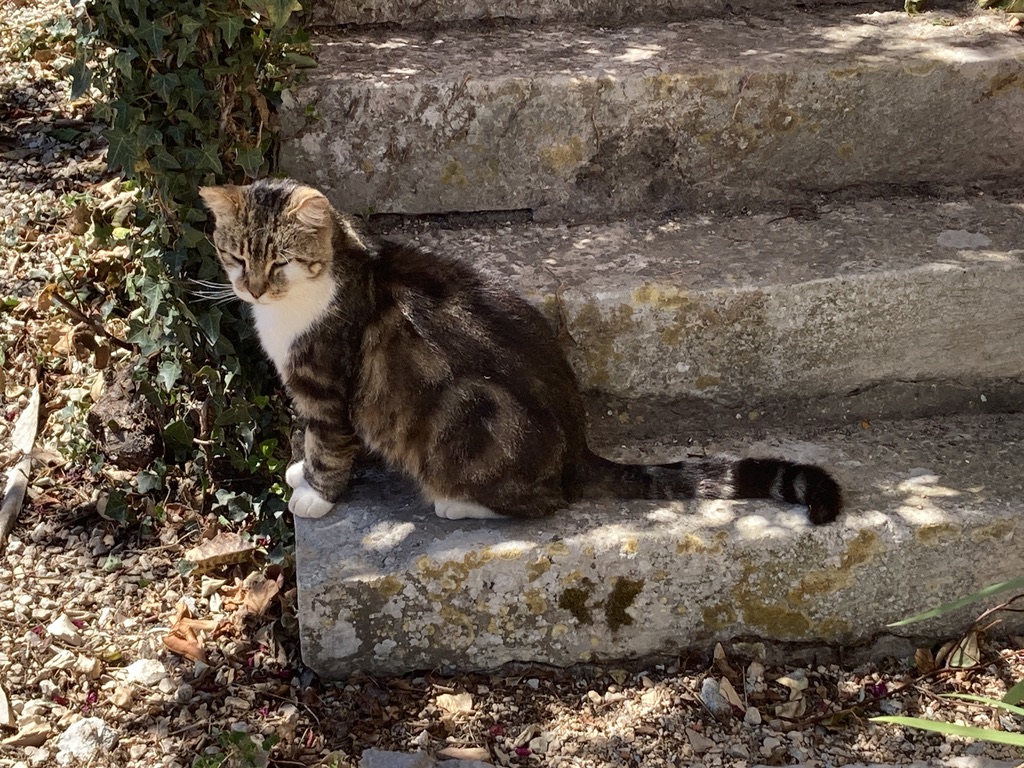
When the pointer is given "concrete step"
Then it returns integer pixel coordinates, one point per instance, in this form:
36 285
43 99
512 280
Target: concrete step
934 513
432 12
714 114
739 310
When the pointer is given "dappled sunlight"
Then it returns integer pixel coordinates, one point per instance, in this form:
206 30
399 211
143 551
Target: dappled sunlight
639 53
387 535
1002 257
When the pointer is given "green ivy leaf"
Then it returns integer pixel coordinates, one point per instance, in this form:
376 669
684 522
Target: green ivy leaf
249 160
153 35
210 159
300 60
168 374
178 436
278 11
164 86
230 28
123 61
81 76
147 482
122 150
189 25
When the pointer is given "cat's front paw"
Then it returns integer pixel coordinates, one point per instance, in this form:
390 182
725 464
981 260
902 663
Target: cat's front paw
295 474
306 502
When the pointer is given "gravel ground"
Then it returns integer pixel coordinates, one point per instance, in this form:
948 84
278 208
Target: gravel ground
110 657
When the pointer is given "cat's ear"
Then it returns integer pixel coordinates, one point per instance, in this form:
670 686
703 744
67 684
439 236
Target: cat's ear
310 207
224 202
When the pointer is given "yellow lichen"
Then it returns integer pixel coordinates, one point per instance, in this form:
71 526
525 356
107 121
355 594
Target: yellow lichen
563 157
931 534
691 545
537 569
453 174
389 586
535 601
718 616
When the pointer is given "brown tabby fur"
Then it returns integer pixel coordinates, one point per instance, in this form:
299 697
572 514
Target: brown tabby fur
447 375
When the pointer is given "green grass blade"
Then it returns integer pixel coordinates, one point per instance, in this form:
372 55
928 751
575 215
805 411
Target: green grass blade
1015 695
945 608
987 701
971 732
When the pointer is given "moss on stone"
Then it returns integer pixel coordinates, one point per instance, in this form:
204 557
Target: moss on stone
622 596
574 600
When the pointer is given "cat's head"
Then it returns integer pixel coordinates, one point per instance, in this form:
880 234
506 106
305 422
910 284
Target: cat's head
273 237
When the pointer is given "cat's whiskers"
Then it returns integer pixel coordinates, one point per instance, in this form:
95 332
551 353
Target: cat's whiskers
216 293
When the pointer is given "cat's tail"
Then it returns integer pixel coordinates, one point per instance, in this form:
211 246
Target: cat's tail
715 477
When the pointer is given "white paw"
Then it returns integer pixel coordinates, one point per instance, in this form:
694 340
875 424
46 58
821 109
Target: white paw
295 476
306 502
450 509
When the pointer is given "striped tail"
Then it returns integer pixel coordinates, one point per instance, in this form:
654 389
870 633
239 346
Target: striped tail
715 477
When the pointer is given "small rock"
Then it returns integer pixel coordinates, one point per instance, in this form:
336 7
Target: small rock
89 667
421 739
236 703
698 742
48 688
752 716
539 744
85 740
40 532
33 731
121 697
595 697
64 630
769 745
144 672
713 699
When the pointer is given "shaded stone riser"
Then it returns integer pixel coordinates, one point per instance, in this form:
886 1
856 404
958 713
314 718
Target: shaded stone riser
748 309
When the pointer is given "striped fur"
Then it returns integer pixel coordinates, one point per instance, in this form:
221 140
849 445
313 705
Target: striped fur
448 376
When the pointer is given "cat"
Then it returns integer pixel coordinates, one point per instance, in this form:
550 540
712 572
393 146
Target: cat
447 375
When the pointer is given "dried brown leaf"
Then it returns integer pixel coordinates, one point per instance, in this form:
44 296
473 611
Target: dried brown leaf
465 753
454 704
726 689
185 643
225 548
260 595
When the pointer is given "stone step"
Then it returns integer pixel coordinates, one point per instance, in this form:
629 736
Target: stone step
934 512
714 114
739 310
418 12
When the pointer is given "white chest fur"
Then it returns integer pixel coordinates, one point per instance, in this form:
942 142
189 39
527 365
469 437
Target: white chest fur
281 322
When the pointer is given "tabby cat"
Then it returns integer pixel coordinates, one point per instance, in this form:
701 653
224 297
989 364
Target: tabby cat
448 376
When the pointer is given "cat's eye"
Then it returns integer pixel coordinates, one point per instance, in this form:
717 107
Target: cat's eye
232 259
278 265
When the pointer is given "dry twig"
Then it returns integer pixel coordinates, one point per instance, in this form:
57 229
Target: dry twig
17 476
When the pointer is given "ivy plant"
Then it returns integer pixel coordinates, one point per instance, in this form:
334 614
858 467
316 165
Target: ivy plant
188 93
